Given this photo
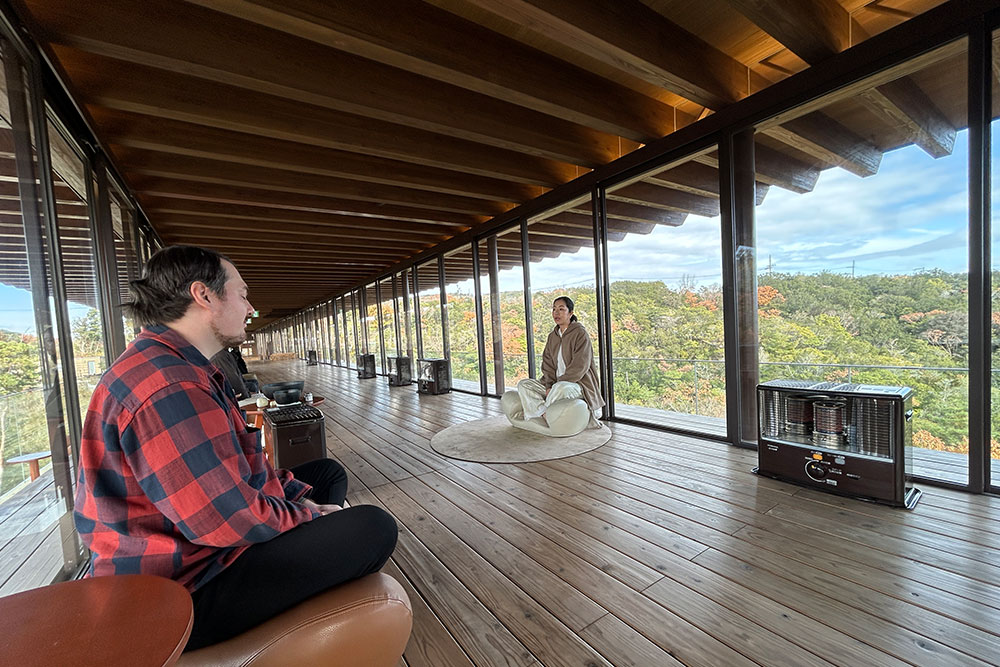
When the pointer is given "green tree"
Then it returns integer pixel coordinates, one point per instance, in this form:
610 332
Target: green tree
21 411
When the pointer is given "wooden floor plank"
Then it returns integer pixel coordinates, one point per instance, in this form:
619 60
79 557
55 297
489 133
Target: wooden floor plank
545 636
477 631
430 644
607 559
898 639
564 601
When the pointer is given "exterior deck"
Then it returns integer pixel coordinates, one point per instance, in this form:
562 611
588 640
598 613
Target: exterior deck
654 549
30 549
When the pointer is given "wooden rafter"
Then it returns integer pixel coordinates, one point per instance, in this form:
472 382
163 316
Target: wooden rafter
818 29
159 38
440 45
179 138
160 94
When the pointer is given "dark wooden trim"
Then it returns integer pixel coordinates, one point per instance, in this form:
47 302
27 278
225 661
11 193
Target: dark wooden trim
498 370
529 330
477 292
980 289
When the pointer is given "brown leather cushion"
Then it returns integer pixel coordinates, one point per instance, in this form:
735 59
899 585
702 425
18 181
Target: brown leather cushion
364 622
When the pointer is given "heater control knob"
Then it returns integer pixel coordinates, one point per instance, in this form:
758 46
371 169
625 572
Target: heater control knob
815 470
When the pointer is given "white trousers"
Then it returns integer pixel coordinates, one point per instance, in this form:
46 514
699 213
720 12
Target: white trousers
563 412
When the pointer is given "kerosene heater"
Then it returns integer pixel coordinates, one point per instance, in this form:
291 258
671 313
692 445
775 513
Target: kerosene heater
849 439
366 366
434 376
399 371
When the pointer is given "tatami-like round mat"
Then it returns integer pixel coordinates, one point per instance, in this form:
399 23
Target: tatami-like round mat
494 440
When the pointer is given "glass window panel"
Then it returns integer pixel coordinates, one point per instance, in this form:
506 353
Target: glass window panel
862 247
387 313
513 327
994 472
123 224
429 292
372 327
336 330
79 270
484 290
349 330
665 273
324 332
39 544
407 322
561 242
463 340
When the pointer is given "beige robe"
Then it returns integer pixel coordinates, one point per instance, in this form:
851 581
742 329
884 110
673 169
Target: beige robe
581 368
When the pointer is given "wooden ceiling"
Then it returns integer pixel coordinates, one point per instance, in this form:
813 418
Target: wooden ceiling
318 143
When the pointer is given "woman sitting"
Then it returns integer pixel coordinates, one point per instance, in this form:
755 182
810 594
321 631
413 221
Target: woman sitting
568 397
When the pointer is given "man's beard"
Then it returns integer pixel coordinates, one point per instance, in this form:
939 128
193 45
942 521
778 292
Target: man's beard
226 341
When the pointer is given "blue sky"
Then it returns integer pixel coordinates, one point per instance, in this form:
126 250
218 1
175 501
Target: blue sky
909 216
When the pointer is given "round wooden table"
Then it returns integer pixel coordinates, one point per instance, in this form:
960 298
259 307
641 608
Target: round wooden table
32 460
135 619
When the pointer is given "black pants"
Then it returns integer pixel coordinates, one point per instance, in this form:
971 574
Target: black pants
273 576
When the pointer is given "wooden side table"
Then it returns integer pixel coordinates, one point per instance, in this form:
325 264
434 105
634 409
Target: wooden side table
126 620
32 461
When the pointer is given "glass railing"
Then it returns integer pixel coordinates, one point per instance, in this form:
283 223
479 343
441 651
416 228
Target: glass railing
23 430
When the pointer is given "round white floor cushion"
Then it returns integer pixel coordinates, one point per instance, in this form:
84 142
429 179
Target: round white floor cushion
494 440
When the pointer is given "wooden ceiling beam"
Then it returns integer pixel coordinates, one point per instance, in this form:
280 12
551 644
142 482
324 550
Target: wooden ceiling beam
635 213
291 252
698 179
211 46
264 240
907 106
281 216
235 226
629 36
817 29
657 196
821 136
130 130
231 194
440 45
161 94
693 177
581 239
813 30
776 168
204 170
670 219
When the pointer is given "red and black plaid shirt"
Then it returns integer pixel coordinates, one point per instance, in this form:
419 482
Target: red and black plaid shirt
171 481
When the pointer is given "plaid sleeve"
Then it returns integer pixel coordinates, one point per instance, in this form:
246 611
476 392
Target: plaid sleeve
294 489
186 457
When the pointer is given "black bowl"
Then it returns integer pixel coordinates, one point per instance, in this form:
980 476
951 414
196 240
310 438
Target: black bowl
286 396
296 385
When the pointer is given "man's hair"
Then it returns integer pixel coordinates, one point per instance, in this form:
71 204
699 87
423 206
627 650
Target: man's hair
569 305
163 294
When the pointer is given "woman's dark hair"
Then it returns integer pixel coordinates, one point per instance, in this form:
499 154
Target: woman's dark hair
569 305
163 294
